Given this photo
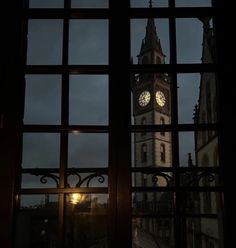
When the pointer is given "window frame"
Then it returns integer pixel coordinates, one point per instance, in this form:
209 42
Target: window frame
11 115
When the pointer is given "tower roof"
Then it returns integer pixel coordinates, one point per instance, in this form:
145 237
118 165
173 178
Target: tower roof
151 41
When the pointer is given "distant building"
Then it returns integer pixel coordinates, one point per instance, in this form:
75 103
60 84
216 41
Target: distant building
206 145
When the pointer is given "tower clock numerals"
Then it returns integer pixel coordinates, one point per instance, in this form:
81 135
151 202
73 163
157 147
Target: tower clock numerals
144 98
160 98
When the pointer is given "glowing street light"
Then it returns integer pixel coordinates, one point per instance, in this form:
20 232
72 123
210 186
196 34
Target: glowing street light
76 198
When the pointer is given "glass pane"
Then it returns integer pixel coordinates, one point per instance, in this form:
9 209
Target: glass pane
153 150
207 102
150 41
188 95
86 220
145 4
153 202
41 150
44 42
207 149
46 3
199 149
88 42
201 202
89 3
193 3
88 150
195 40
151 99
153 232
204 232
186 149
37 221
42 99
89 100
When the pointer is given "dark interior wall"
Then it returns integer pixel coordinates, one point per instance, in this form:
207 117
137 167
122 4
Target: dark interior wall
11 85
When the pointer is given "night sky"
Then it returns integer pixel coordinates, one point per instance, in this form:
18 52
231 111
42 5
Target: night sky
88 44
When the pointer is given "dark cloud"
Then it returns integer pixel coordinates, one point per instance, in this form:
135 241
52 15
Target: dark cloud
44 42
88 42
41 150
89 100
43 99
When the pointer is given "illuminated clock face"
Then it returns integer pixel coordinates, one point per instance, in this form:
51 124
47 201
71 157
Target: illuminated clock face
144 98
160 98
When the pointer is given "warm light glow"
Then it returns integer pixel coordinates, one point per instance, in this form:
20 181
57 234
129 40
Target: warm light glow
75 198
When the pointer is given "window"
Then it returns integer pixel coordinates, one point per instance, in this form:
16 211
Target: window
71 155
162 122
143 122
163 153
144 153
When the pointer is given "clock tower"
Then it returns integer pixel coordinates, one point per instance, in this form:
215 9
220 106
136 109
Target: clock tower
151 106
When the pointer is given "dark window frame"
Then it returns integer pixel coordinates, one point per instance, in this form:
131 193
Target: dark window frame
11 113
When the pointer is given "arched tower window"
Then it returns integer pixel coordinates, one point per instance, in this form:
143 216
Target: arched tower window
143 122
162 122
144 153
163 152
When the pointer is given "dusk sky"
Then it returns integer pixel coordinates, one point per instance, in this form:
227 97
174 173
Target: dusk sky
89 93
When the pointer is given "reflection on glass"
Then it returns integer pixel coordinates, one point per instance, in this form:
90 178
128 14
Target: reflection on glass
193 3
152 149
89 3
150 41
88 150
89 100
144 3
44 42
42 99
192 36
153 232
40 150
86 224
36 221
204 232
46 3
88 42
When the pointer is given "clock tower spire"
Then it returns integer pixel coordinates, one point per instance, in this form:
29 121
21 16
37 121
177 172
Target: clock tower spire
151 106
151 103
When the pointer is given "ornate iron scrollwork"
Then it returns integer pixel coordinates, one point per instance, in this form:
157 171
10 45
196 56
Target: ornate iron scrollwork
165 176
196 178
86 180
45 175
